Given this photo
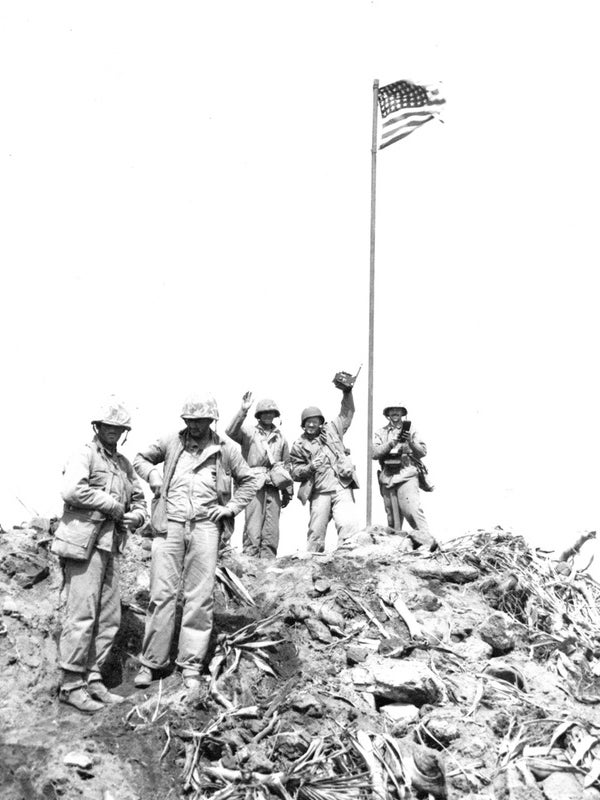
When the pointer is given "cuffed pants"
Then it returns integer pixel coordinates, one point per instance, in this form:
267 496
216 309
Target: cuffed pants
186 556
92 612
261 531
403 502
324 506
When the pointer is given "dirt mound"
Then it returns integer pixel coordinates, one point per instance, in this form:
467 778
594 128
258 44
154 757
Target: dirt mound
370 672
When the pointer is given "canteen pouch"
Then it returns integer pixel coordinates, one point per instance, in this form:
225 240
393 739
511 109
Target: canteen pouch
280 476
158 514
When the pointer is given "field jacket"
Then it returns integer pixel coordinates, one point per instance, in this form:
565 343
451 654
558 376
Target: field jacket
331 443
407 454
230 463
97 481
261 448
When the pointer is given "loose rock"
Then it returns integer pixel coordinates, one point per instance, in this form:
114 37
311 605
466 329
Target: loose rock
498 631
77 758
318 630
401 714
562 786
406 682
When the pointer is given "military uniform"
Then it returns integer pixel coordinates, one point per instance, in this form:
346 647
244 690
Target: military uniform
262 448
399 481
329 489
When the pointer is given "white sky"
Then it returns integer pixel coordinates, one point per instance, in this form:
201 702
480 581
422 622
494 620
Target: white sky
185 206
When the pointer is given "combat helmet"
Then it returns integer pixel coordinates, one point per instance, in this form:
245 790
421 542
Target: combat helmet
265 405
311 411
113 412
387 409
197 407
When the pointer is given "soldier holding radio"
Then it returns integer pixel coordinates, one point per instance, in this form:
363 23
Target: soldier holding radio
399 452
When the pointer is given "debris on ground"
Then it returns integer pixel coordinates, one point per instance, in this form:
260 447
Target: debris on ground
373 672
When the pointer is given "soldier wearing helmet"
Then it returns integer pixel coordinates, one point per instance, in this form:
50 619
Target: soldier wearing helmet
103 501
399 452
192 511
267 452
320 463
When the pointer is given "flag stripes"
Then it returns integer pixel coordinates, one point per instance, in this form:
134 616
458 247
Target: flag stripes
404 107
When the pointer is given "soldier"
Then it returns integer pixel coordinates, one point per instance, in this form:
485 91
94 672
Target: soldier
192 510
103 500
399 452
320 462
266 451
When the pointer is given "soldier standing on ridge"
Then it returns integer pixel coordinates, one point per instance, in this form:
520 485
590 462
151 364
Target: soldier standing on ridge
192 509
320 462
267 453
103 500
399 452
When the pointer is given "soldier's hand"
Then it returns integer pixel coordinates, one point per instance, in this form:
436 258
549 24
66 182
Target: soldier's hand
155 482
405 436
317 462
131 520
285 499
219 512
396 436
118 512
247 401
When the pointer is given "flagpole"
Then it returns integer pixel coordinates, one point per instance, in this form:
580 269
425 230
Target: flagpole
372 304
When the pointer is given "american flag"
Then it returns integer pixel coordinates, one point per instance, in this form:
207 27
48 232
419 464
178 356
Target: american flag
404 107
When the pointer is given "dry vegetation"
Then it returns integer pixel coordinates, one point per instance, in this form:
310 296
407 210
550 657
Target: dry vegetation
372 672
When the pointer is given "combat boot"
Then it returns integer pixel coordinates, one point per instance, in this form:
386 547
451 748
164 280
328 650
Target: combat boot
79 697
143 678
98 691
192 682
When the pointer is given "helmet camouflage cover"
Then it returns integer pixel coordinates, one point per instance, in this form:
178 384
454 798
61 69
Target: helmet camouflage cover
113 412
197 407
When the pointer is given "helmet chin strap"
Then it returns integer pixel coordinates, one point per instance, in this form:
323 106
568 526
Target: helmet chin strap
95 427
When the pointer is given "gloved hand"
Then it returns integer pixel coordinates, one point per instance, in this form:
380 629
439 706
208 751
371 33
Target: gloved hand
155 482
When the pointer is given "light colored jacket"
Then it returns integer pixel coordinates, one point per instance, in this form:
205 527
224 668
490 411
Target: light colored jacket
230 464
331 441
260 448
96 480
408 452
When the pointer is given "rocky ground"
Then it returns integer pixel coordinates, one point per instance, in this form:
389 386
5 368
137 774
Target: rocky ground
371 672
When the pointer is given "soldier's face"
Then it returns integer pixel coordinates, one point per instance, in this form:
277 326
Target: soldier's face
109 435
394 415
312 426
267 417
198 428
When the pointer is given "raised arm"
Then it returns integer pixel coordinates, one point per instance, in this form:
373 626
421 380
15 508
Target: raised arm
344 419
235 429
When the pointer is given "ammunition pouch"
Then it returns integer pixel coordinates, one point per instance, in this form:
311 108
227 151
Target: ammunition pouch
77 533
393 465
